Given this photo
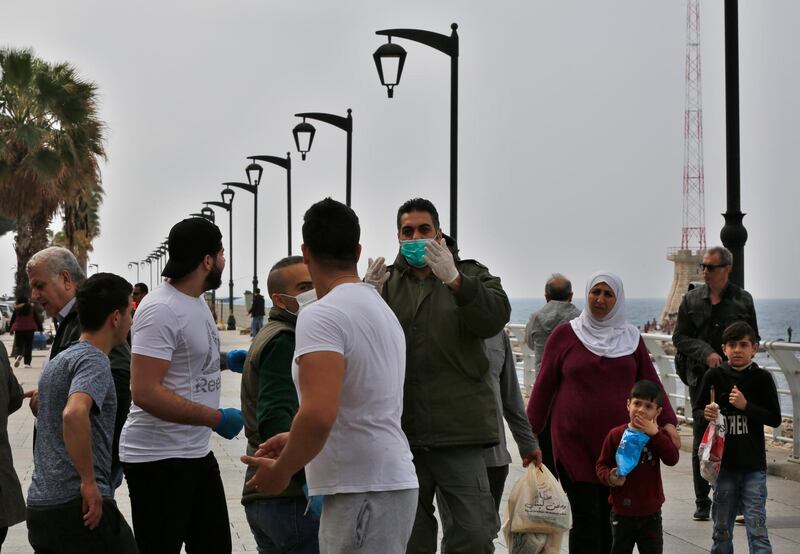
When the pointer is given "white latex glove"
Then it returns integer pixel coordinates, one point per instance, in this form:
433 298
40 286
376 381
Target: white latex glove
440 260
377 274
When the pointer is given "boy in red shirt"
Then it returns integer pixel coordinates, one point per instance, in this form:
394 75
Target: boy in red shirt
636 498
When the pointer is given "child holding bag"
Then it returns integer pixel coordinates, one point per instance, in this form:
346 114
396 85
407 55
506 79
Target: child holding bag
636 498
747 399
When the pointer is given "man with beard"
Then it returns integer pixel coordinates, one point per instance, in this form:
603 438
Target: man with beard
173 478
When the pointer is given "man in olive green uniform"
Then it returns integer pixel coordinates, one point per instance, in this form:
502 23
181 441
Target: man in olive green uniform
269 402
447 307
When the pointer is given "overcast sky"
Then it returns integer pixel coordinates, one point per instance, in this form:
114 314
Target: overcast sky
571 126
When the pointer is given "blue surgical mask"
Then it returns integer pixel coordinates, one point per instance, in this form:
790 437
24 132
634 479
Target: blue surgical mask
413 250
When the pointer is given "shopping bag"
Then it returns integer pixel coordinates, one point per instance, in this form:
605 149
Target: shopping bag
532 543
629 450
711 448
538 504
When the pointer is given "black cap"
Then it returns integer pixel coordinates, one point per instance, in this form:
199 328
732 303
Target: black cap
189 242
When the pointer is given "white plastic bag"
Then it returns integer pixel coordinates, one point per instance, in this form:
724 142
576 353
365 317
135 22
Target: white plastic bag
711 448
538 513
532 543
538 504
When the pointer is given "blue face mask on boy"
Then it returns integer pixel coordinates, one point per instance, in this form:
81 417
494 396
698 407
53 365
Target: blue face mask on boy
413 250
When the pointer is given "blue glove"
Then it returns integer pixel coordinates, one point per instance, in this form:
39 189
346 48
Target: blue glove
235 360
231 422
314 503
630 450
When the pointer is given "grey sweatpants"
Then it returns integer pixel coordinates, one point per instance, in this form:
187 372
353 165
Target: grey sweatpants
367 522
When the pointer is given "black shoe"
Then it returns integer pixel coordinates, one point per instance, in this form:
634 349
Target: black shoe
702 514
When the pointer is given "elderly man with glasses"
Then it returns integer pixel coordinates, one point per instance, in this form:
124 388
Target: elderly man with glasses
704 314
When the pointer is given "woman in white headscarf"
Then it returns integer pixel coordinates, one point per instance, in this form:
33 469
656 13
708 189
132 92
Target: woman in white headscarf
589 367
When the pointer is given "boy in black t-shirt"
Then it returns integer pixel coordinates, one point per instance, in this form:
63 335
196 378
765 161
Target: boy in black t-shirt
748 400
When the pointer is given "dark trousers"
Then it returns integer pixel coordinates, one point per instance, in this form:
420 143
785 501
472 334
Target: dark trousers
497 482
643 531
281 525
591 527
701 487
60 530
25 345
179 501
457 474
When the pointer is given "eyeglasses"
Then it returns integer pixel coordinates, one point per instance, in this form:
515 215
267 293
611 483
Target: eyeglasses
711 267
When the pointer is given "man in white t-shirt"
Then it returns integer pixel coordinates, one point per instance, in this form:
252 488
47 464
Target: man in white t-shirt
349 370
173 478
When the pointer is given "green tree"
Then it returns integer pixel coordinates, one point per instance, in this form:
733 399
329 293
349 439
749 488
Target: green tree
81 223
51 142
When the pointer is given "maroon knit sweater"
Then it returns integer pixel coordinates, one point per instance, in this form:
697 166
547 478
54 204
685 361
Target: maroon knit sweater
642 493
585 396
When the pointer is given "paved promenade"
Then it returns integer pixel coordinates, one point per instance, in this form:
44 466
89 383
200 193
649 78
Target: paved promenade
682 535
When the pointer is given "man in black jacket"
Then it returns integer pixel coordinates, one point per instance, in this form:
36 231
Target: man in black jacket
54 275
257 312
704 314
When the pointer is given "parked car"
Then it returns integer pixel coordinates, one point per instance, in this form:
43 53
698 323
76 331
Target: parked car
6 310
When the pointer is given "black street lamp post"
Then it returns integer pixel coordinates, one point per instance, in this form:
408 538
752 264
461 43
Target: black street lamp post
227 195
254 177
733 234
285 163
96 267
390 58
162 255
208 214
156 255
304 135
149 261
137 269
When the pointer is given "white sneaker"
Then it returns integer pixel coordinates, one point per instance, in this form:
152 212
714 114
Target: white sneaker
28 366
18 361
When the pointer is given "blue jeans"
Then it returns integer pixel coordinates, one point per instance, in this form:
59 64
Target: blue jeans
747 491
279 526
256 324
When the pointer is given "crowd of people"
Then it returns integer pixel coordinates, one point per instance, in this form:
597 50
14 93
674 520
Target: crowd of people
368 403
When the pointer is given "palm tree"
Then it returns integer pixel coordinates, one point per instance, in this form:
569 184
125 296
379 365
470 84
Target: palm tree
81 222
51 142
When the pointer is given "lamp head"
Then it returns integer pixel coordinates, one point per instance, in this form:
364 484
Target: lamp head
254 172
389 59
208 213
227 195
303 137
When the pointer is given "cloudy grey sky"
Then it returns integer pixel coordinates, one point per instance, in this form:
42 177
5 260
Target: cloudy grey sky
571 126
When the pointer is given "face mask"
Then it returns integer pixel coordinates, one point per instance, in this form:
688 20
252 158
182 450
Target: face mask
303 299
413 250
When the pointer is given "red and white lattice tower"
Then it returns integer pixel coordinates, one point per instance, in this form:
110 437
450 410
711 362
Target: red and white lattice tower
687 258
694 210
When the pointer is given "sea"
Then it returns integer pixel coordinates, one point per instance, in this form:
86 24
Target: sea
775 316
